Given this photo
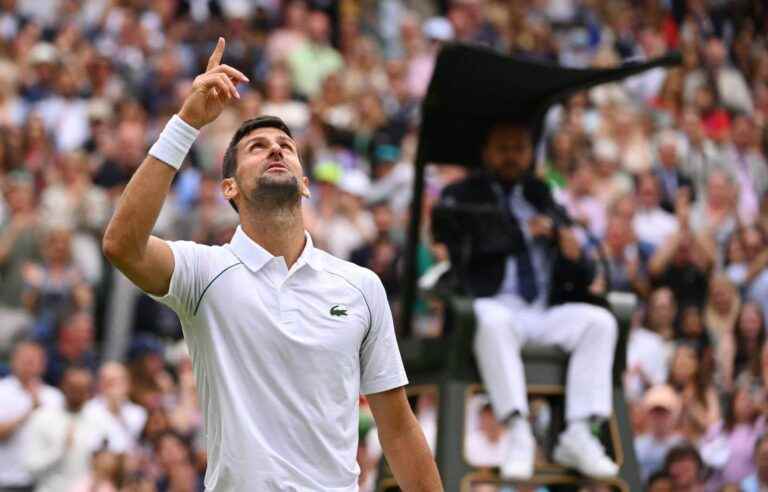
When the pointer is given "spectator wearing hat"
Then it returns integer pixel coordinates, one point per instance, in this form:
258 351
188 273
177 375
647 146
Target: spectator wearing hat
662 410
392 179
352 225
21 394
436 32
758 481
685 468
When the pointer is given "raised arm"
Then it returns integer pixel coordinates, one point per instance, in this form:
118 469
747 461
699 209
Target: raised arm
147 260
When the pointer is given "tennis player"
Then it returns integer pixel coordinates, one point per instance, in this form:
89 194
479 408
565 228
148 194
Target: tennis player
283 336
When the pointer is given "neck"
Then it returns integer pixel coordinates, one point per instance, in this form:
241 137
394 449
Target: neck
27 381
280 231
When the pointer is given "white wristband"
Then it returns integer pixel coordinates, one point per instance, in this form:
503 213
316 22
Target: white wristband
174 142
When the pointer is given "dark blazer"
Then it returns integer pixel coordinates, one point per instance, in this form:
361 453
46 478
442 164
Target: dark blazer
683 181
471 220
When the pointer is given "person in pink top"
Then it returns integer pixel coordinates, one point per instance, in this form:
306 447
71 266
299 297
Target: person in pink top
731 441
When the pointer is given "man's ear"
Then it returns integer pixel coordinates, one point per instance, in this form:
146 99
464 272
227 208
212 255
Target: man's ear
305 187
229 188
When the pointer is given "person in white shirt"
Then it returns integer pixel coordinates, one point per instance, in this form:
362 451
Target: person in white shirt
124 420
60 441
485 441
21 394
283 337
652 223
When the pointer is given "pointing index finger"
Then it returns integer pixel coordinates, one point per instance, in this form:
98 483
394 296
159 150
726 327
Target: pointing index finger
218 53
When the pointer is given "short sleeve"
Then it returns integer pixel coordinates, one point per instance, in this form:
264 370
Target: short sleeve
188 278
380 363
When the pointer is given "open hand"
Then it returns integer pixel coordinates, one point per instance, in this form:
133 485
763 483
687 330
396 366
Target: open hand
212 90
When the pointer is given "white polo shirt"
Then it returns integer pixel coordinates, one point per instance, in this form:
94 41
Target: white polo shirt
15 402
280 357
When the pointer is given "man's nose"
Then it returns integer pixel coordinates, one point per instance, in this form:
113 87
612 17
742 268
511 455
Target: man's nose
275 149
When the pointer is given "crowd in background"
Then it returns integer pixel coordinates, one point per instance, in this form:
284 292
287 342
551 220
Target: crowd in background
667 168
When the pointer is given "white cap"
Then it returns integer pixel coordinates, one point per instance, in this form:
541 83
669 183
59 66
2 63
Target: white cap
43 53
355 182
438 28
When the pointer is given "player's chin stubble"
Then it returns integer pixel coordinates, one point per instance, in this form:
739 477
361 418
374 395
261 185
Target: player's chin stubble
276 193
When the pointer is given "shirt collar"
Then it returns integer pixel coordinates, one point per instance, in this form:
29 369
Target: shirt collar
254 256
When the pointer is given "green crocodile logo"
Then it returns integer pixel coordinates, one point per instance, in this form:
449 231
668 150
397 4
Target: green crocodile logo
338 310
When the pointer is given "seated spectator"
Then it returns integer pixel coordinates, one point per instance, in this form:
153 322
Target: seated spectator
683 263
21 394
124 420
20 239
579 199
73 347
314 58
758 481
382 254
73 199
392 179
352 225
610 182
627 257
722 307
61 440
731 442
278 101
150 382
668 170
688 375
685 468
661 407
691 330
649 348
744 347
105 475
560 159
56 286
484 439
659 482
714 214
174 455
746 160
651 223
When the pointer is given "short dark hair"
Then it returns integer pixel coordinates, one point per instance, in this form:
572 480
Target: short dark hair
229 165
681 452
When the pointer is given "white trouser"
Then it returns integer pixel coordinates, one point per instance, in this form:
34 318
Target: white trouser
505 324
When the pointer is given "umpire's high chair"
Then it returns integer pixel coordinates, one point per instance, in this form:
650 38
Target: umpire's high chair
472 89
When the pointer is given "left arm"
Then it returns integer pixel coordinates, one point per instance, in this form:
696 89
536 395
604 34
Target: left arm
403 442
